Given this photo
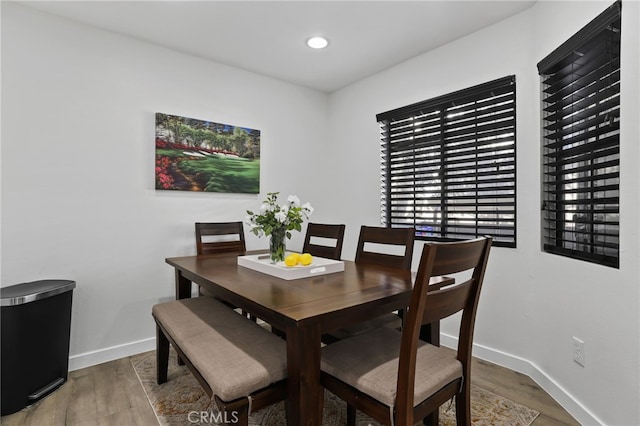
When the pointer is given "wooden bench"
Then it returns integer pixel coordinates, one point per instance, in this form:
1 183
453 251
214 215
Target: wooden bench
237 362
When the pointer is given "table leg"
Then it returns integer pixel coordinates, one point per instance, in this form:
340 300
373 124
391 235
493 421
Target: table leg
305 395
183 291
183 286
431 333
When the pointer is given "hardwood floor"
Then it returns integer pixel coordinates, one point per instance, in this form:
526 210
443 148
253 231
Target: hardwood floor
110 394
105 394
522 389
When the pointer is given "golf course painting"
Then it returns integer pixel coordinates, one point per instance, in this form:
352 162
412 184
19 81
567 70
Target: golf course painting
198 155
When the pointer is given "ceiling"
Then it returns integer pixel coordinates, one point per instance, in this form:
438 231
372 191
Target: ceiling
268 37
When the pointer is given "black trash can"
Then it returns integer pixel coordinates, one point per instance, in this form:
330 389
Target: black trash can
36 321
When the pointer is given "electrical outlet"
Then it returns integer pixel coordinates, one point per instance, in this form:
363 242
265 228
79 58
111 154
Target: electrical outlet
578 351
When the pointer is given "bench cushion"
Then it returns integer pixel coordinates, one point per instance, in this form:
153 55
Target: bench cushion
233 354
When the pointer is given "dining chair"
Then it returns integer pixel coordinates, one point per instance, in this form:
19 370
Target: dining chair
393 376
376 243
318 233
228 238
220 238
376 246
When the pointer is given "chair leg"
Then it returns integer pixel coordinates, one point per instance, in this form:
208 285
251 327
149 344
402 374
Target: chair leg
162 356
351 415
463 407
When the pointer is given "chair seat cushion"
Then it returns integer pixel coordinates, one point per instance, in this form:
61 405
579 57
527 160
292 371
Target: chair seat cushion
369 363
233 354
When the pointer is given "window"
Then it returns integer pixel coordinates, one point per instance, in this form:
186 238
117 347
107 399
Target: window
449 165
581 143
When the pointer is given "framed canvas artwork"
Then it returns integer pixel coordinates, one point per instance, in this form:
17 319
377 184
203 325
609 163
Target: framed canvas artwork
199 155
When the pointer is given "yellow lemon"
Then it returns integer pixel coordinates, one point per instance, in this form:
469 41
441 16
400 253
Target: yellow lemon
292 259
306 259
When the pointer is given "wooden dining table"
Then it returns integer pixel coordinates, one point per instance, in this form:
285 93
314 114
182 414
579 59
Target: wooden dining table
304 309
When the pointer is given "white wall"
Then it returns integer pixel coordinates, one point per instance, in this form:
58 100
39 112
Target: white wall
78 197
532 302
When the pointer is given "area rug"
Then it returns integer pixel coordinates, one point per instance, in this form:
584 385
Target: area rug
181 401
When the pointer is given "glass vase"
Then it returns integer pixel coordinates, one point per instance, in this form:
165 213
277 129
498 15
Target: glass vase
277 245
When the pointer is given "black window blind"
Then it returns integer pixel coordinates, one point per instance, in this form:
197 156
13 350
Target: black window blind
448 164
581 143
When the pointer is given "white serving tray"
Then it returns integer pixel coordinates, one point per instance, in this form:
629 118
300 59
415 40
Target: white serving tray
262 263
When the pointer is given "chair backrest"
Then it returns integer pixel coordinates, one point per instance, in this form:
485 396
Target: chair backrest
231 238
324 231
399 237
427 307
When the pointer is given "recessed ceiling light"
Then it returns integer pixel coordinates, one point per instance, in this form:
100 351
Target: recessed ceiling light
317 42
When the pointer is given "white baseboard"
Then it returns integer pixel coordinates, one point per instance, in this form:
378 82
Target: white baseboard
89 359
524 366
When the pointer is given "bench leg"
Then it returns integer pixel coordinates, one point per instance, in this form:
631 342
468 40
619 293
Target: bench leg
241 419
162 356
351 415
234 412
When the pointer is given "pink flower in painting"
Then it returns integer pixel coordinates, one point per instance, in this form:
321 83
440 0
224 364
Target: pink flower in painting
163 178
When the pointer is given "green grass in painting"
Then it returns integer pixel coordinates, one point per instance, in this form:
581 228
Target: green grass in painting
171 153
212 173
224 174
